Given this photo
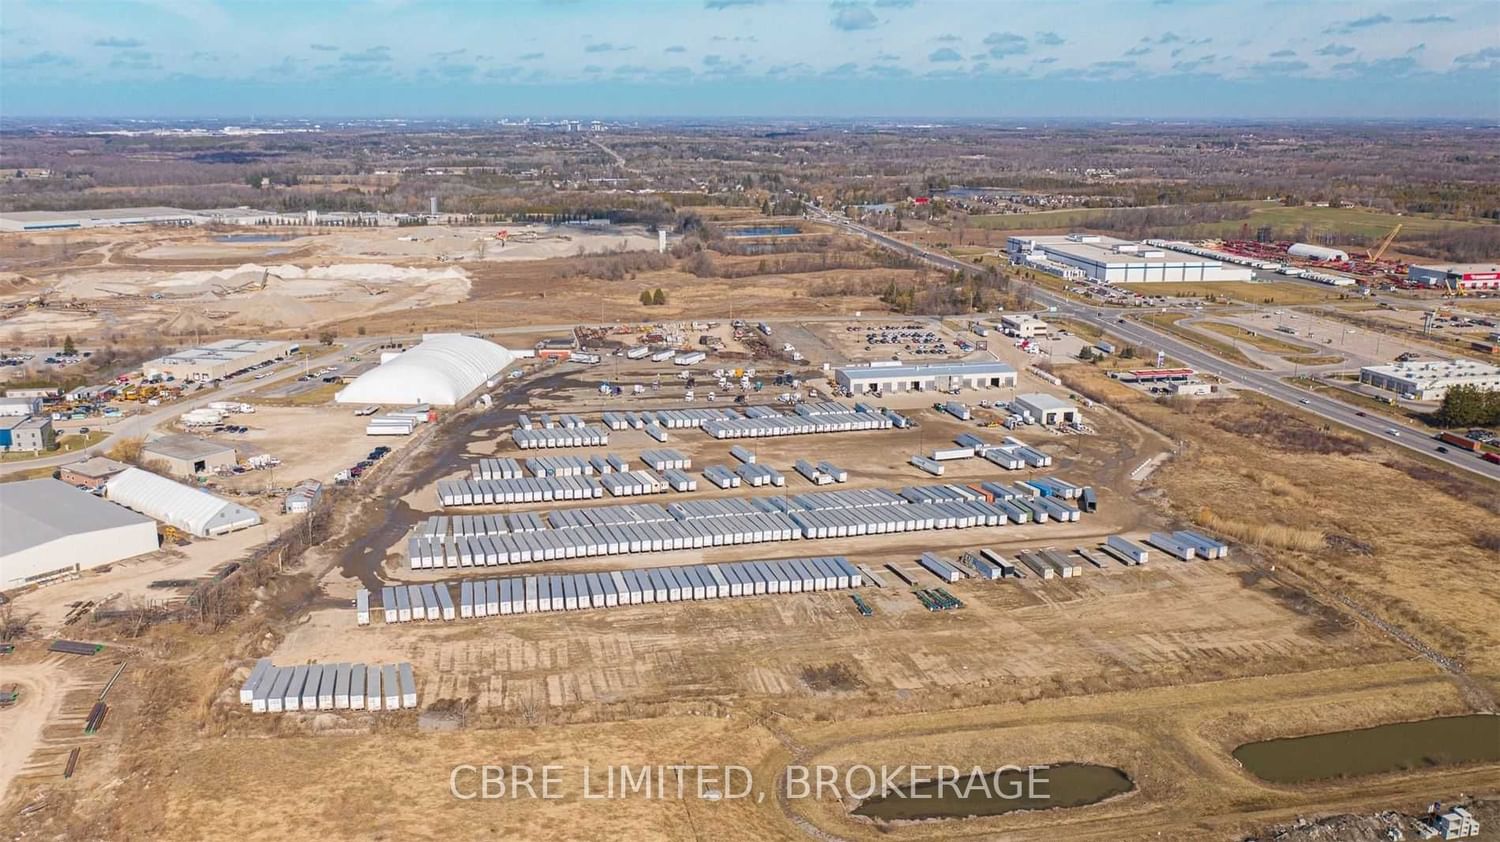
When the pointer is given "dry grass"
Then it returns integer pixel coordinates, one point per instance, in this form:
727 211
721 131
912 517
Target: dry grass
1274 536
1169 322
1269 344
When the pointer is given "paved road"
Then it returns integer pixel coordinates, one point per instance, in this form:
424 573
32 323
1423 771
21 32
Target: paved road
1413 438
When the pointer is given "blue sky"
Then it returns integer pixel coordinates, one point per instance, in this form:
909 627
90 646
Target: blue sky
726 58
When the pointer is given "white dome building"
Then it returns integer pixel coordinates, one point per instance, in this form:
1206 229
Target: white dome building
442 370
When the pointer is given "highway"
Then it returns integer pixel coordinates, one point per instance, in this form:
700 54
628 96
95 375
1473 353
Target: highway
1113 320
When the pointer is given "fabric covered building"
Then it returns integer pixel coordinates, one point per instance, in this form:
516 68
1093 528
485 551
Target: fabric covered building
441 370
192 510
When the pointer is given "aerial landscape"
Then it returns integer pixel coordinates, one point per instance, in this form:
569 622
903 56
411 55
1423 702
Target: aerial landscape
902 419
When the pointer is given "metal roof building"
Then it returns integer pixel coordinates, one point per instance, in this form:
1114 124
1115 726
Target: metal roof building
923 377
49 528
190 509
186 455
1429 380
441 370
102 218
1110 260
218 360
1048 409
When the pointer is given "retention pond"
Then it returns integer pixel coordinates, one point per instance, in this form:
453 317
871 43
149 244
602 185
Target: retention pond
995 793
1403 746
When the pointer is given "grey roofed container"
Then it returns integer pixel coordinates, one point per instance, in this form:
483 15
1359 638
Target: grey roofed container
357 684
640 586
362 607
374 697
1126 550
660 584
466 599
257 674
403 604
505 586
596 590
572 598
544 594
260 698
390 685
700 586
1171 546
939 568
341 686
721 582
622 588
1036 564
276 701
557 592
1204 545
310 687
533 593
612 593
408 685
418 602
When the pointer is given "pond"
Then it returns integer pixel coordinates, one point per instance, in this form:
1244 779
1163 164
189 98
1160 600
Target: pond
252 238
1402 746
996 793
764 231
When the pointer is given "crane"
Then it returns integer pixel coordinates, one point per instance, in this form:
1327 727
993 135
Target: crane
1386 243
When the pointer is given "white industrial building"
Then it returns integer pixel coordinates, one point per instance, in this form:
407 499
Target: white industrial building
1047 409
190 509
923 377
1108 260
441 370
49 528
1024 326
1308 251
1458 276
103 218
1429 380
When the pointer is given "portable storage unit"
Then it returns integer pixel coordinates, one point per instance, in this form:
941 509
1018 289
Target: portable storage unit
951 453
445 603
985 569
408 685
357 684
374 697
466 599
328 686
928 465
939 568
310 687
1166 543
1036 564
1066 567
957 410
1126 550
341 676
403 604
362 607
390 685
276 700
1205 546
838 474
253 681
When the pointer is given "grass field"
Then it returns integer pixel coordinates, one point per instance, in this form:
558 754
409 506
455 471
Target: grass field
1276 292
1168 322
1366 223
1269 344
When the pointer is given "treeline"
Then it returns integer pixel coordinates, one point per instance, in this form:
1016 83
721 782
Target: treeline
1469 406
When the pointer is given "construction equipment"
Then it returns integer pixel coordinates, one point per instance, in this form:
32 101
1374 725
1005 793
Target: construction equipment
1386 243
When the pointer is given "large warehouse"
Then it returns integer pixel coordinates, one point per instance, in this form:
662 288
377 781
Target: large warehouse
192 510
1459 276
218 360
924 377
103 218
1429 380
1108 260
443 369
49 528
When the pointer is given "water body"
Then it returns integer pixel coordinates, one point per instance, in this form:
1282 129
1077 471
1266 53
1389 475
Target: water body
252 238
1403 746
1066 785
764 231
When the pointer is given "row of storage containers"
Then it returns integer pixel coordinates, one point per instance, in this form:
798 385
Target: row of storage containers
439 526
742 454
913 517
812 408
1126 550
675 419
633 483
419 602
1034 458
565 422
559 466
496 492
347 686
661 460
496 469
1188 545
559 437
390 425
589 541
579 591
680 481
756 475
810 473
721 476
795 425
940 568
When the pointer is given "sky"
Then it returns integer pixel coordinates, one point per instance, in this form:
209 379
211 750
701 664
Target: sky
800 59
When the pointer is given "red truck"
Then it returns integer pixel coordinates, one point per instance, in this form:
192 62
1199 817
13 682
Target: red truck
1460 441
1492 457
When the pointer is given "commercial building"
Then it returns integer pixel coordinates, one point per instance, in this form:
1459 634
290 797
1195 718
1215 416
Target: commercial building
192 510
1429 380
1108 260
443 369
924 377
29 434
90 474
218 360
49 528
19 406
1024 326
104 218
555 348
187 456
1459 276
1047 409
